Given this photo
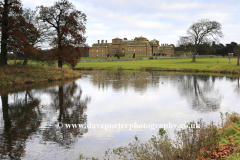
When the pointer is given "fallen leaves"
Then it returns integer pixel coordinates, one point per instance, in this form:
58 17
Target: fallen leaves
223 150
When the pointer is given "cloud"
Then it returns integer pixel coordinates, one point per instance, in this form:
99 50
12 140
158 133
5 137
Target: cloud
164 20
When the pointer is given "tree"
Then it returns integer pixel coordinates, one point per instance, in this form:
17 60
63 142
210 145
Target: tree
22 37
224 50
237 52
39 32
202 32
184 41
68 24
6 8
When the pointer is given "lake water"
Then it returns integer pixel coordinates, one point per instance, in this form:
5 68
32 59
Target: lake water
109 109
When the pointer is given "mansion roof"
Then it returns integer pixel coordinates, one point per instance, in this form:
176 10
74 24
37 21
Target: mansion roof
140 37
117 38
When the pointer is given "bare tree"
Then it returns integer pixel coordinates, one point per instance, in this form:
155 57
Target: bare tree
184 41
69 26
202 32
237 52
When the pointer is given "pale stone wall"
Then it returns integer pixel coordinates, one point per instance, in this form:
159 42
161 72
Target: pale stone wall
141 46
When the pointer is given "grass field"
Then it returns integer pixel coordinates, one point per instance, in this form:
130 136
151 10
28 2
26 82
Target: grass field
202 65
84 58
182 65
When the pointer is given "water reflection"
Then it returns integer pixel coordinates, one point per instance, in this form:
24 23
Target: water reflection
23 115
30 115
119 80
71 105
237 88
21 119
199 90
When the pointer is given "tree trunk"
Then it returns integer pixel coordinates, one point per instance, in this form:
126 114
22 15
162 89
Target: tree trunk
194 54
15 56
59 49
59 63
25 60
3 56
238 60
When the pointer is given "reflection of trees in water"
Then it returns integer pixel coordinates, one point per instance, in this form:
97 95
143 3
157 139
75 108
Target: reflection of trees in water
139 81
236 83
69 102
237 87
21 119
200 92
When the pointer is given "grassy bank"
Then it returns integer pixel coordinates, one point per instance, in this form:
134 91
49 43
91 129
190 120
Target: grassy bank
204 65
19 74
209 141
185 65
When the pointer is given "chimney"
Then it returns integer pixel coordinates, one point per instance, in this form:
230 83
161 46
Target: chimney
102 41
98 41
106 41
125 39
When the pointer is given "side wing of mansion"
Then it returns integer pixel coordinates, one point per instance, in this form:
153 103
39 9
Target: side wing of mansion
140 46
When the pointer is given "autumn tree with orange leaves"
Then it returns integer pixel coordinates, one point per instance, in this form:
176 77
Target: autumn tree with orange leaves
7 7
23 37
68 26
17 35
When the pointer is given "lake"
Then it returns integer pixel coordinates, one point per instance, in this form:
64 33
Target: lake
106 109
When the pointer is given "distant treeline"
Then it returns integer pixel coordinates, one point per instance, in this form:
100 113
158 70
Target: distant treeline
209 49
41 54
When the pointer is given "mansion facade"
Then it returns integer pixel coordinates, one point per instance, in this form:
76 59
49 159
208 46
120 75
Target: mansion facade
140 46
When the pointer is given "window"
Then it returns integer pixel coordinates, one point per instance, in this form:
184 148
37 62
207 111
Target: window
134 50
140 49
92 50
128 50
97 50
102 50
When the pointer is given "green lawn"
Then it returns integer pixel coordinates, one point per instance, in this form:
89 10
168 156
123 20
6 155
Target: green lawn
84 58
202 64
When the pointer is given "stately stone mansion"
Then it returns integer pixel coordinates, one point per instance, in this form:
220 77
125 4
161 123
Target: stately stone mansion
140 46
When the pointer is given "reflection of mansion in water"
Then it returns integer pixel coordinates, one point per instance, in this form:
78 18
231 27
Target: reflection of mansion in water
140 46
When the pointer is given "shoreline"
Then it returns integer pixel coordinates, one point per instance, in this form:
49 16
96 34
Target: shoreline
202 65
20 74
33 73
220 71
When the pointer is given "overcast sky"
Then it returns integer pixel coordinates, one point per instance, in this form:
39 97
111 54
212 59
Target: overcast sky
163 20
